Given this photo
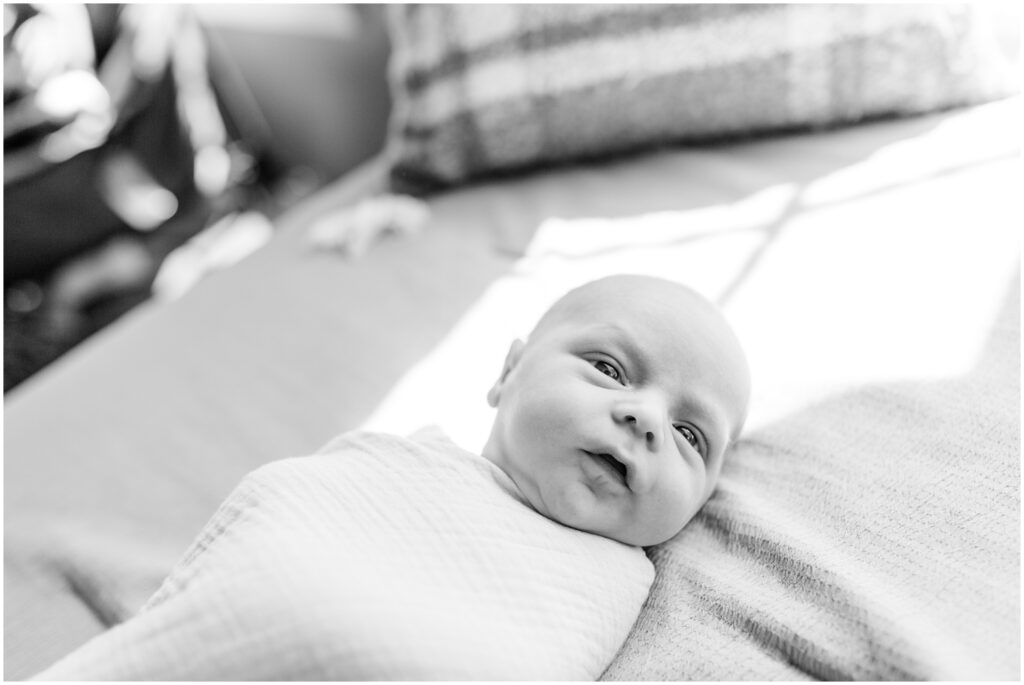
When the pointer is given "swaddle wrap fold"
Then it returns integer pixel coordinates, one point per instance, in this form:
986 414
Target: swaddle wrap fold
379 557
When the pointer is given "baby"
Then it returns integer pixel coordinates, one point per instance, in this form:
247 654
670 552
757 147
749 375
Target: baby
384 557
615 416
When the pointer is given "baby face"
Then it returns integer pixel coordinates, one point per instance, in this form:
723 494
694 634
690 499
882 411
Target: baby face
615 415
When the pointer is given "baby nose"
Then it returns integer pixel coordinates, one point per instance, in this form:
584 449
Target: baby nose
643 419
648 433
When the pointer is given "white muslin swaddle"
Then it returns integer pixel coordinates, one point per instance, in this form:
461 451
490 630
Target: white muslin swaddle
379 557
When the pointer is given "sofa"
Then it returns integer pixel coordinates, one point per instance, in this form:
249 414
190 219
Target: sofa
863 242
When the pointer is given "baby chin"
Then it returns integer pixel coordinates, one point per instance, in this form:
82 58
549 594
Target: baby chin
588 498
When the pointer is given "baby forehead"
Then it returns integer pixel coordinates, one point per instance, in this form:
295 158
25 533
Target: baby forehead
661 344
636 303
671 325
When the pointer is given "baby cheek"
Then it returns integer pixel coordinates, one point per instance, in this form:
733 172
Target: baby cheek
680 497
574 505
545 414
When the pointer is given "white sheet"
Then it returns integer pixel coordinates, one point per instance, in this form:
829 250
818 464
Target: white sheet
380 558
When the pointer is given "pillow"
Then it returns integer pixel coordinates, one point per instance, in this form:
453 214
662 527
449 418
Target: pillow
481 89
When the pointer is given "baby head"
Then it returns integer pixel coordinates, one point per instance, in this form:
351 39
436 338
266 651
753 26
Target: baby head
616 413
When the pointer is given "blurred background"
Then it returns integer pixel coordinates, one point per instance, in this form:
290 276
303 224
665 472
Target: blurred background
148 145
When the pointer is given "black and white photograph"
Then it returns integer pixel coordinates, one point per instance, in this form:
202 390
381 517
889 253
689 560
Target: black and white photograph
512 342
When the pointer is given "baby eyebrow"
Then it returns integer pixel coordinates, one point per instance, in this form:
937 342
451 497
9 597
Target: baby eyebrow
701 416
641 361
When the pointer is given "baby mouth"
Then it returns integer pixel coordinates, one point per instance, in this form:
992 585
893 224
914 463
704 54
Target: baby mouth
613 466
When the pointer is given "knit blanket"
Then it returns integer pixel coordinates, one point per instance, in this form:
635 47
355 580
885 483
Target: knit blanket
872 536
379 558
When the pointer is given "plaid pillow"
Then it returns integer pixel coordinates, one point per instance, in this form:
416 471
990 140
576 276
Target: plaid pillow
480 89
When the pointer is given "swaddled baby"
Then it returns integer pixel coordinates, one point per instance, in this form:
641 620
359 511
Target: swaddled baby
383 557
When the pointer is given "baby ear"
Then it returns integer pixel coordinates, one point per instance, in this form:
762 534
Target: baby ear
515 351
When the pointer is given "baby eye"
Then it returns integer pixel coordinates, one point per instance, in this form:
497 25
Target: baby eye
689 436
607 369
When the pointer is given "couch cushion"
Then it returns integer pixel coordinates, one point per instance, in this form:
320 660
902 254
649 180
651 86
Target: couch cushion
480 89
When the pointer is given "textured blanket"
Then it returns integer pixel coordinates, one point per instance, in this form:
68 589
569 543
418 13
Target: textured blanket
872 536
379 558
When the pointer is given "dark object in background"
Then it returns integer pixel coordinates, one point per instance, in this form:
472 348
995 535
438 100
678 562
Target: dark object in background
114 153
301 92
62 159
